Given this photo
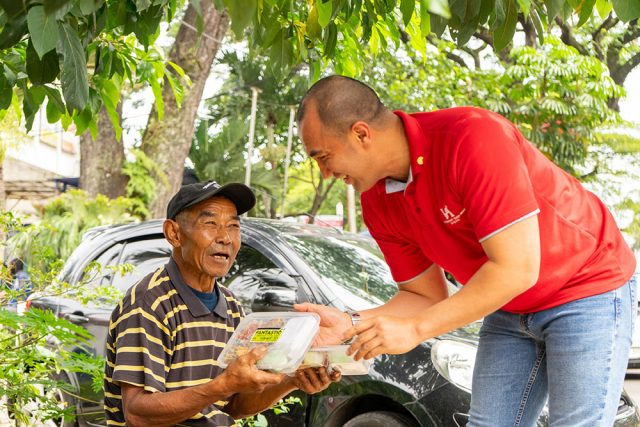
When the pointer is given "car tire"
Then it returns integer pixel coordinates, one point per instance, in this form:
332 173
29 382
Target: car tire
379 419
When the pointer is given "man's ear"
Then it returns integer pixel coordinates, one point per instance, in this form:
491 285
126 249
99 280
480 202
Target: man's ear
362 131
171 231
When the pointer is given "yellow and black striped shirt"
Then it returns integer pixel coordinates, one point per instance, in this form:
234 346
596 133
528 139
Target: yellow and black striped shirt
162 338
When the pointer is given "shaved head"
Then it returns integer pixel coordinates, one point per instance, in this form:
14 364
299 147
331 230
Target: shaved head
341 101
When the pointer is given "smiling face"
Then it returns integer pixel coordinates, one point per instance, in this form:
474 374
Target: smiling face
206 240
345 156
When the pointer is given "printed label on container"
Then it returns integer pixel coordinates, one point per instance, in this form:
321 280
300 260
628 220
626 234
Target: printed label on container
266 335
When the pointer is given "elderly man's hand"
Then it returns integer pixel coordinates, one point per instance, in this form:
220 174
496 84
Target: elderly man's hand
314 380
242 375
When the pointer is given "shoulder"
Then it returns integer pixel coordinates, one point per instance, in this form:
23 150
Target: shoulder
144 294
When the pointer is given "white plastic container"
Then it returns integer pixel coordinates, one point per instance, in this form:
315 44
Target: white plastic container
335 357
288 336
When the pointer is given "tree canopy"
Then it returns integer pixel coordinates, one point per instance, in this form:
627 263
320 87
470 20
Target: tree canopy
79 48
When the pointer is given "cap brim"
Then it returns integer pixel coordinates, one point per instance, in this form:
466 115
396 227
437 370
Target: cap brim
239 194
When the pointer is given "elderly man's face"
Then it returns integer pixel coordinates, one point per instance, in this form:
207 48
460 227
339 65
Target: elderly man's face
209 236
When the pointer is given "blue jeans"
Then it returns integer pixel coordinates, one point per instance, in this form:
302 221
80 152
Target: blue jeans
575 355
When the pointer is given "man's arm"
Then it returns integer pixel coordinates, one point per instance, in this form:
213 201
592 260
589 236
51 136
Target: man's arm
310 380
411 300
143 408
512 267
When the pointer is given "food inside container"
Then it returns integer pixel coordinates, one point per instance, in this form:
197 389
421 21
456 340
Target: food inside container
335 358
288 336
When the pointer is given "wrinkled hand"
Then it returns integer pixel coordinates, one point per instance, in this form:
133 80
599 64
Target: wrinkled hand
333 323
382 334
242 376
314 380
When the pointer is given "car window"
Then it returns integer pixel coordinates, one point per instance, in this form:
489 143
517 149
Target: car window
102 276
259 284
146 256
351 267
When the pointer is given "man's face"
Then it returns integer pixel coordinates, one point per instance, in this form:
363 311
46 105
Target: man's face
209 237
342 156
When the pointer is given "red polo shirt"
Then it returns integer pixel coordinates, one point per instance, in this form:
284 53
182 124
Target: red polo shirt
472 175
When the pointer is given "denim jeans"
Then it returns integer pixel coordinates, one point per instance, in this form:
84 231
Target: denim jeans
575 355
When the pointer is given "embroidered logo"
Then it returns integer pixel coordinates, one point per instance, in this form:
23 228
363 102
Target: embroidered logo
449 217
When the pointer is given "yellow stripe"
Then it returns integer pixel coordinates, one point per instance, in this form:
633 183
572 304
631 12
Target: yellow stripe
144 314
139 330
113 396
132 368
216 325
154 279
112 410
163 298
221 403
115 423
214 413
233 314
141 350
193 363
186 383
199 344
172 313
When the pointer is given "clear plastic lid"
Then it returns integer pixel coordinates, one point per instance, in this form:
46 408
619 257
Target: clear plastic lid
288 336
335 357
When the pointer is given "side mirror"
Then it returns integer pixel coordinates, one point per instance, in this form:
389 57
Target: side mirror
277 291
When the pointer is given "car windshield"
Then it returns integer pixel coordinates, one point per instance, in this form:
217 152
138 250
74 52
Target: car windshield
352 267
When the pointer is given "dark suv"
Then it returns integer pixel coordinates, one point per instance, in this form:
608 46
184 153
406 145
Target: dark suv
279 264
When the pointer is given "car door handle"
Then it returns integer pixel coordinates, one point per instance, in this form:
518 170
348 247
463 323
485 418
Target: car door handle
76 318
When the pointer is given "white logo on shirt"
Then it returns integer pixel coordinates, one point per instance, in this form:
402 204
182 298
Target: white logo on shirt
449 217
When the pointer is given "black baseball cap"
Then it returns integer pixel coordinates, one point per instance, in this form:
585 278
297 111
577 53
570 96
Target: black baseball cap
190 194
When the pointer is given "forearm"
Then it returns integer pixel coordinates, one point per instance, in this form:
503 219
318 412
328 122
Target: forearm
490 288
171 408
243 405
402 304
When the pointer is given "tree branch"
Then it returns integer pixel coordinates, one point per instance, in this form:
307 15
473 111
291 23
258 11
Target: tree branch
607 24
632 33
568 38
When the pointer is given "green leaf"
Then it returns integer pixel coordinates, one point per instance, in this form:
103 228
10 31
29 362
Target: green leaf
142 4
55 98
627 10
585 11
604 8
6 91
74 78
87 7
425 18
324 12
241 13
13 8
313 27
525 6
438 24
42 70
53 113
280 54
12 32
330 38
440 7
503 33
43 30
54 6
554 7
407 7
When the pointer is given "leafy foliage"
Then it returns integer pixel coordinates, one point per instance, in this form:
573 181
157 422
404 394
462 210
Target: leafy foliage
64 220
37 346
141 188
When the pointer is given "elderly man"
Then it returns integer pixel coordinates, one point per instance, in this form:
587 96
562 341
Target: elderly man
166 334
541 258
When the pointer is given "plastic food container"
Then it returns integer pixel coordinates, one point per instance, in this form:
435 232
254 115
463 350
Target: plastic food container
335 358
288 336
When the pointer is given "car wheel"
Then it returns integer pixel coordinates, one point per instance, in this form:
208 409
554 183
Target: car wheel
379 419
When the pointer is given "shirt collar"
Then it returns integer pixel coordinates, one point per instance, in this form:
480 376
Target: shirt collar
417 153
195 306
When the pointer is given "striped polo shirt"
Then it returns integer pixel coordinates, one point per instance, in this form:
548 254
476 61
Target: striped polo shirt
162 338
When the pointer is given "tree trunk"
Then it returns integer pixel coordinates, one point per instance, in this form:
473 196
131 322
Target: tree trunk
321 195
167 141
101 161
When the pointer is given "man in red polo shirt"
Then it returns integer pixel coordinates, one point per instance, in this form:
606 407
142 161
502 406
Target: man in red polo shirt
540 257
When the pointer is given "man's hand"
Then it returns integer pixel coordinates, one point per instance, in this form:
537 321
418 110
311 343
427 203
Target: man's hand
333 323
382 334
242 376
314 380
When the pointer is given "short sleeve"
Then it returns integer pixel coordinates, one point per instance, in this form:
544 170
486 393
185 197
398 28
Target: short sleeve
491 175
405 258
143 349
